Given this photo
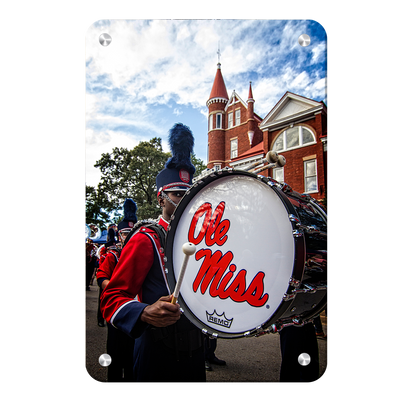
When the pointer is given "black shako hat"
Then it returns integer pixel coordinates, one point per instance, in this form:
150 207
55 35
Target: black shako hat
130 218
111 240
179 170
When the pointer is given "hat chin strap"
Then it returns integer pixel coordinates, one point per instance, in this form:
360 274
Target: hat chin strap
166 197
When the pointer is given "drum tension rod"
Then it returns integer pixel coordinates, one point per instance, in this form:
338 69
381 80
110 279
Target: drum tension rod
306 289
312 229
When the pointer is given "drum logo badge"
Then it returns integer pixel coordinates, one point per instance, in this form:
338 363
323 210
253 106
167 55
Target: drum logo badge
215 318
216 272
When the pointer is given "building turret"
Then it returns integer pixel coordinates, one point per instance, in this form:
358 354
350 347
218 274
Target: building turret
216 121
218 91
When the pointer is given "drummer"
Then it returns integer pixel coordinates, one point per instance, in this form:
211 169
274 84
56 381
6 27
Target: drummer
168 346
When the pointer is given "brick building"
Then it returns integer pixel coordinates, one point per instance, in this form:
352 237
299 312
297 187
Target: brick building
296 127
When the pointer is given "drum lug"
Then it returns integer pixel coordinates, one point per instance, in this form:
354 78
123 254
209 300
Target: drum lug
297 321
294 282
296 223
305 289
311 229
271 329
271 183
209 334
288 297
297 233
261 331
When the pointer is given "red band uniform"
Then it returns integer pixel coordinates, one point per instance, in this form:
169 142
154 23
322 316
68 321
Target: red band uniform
174 352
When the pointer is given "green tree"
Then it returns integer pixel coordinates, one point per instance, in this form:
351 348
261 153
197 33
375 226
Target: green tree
97 208
132 174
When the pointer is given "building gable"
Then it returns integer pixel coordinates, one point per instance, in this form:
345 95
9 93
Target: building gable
289 108
234 99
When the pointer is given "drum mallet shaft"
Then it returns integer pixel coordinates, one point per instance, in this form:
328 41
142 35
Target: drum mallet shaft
188 249
280 163
272 157
254 164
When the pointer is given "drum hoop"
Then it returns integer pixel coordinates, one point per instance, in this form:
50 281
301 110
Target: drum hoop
298 262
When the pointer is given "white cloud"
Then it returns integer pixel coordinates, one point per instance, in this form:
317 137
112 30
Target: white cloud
98 143
150 64
318 53
301 81
177 111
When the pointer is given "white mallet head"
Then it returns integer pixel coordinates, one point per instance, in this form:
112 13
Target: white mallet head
281 161
189 249
272 157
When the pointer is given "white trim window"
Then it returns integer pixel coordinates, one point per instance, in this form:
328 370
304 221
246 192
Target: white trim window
230 120
210 122
293 138
279 174
237 117
234 148
310 176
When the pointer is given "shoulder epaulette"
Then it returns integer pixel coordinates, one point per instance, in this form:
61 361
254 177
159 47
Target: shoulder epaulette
148 223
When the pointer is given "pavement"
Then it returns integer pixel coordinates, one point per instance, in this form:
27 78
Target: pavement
254 359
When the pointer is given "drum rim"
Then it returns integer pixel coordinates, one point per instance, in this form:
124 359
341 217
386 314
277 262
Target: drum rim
298 262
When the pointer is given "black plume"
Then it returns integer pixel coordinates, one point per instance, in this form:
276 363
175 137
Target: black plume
130 210
181 142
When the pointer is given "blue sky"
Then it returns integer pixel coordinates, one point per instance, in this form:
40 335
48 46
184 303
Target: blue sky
159 72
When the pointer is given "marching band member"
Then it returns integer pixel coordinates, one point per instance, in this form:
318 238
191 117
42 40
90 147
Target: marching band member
110 244
130 219
110 253
119 345
168 347
91 262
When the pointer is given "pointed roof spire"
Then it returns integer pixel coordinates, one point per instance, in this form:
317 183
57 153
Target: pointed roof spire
219 88
250 93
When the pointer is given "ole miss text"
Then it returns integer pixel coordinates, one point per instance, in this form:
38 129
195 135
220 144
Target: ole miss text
217 270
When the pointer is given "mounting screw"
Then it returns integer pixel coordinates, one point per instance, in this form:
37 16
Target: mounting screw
304 40
304 359
105 39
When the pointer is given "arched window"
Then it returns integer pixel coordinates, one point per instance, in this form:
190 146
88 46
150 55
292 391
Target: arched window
291 138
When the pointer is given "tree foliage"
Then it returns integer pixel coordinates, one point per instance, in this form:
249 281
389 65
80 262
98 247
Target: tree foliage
97 207
131 174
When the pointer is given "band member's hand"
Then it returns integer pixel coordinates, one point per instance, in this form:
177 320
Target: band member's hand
161 313
105 283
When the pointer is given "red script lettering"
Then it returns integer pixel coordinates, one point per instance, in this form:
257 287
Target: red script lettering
211 274
214 272
212 229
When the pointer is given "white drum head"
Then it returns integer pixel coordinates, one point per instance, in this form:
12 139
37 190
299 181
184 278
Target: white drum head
236 281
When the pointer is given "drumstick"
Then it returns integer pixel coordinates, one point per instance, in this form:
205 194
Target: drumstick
188 249
280 163
272 157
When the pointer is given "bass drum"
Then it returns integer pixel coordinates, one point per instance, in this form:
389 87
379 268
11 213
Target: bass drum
260 260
